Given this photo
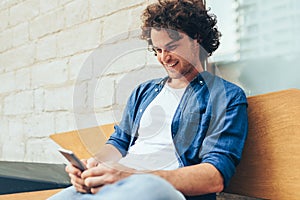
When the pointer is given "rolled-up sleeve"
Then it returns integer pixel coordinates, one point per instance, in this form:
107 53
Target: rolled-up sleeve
122 135
224 142
120 140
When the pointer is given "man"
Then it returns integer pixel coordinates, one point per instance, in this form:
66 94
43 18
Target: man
180 137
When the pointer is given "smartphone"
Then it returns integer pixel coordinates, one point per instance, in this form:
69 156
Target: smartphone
72 158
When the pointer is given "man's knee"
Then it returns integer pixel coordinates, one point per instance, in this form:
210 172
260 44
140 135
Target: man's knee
153 186
149 180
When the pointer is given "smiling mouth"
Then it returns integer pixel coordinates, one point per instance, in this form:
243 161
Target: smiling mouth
171 65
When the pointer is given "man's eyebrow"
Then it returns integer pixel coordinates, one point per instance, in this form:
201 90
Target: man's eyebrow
170 43
166 45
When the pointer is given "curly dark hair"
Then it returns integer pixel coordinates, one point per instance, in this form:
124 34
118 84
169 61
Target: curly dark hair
187 16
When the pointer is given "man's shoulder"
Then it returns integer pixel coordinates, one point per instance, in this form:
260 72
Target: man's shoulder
150 83
219 85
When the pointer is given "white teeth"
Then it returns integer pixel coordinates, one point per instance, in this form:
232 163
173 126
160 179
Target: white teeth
171 65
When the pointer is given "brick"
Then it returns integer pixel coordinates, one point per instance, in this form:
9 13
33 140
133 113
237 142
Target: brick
79 39
9 3
76 12
46 48
4 133
101 92
13 151
18 57
64 2
135 18
16 130
22 79
125 83
46 5
39 100
24 11
85 120
20 34
102 8
8 82
6 40
120 57
80 103
19 103
1 108
40 73
2 68
59 99
45 24
116 25
64 121
80 67
39 125
107 117
42 150
4 16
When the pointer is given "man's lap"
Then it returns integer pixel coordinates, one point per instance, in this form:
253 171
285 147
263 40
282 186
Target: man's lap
141 186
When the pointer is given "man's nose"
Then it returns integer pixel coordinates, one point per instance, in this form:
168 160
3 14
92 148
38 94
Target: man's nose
165 56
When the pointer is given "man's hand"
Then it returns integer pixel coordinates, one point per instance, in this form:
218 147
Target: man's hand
104 173
75 175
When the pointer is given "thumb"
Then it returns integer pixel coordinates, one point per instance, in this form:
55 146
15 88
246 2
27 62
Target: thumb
92 162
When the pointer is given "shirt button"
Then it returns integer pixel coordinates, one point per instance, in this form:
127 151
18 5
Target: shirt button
156 90
201 82
141 110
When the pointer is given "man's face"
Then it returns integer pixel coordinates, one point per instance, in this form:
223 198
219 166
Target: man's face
180 58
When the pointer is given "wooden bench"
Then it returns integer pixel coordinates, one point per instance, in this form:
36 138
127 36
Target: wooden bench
270 167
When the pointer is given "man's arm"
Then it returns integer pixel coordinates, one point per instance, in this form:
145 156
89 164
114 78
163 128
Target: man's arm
108 153
198 179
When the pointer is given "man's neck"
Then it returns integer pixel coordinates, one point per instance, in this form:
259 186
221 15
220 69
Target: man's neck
184 81
177 83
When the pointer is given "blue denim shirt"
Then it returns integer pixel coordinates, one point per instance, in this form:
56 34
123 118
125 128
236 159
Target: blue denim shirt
209 126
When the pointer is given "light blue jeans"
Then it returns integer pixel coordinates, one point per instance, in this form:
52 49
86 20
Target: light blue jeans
139 186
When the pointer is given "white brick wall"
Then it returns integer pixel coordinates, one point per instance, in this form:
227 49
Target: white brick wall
50 73
6 40
19 57
44 46
78 39
8 82
4 16
18 103
79 10
17 38
47 24
46 5
23 11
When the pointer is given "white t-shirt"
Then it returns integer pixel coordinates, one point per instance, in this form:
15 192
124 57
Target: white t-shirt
154 148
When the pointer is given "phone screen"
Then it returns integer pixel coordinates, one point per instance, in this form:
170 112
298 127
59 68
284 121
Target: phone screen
72 158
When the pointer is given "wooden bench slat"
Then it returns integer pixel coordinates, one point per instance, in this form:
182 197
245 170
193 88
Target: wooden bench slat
270 166
37 195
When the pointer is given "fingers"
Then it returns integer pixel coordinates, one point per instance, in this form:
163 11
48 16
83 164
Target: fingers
94 178
95 190
70 169
97 181
92 162
76 180
84 161
80 188
99 176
